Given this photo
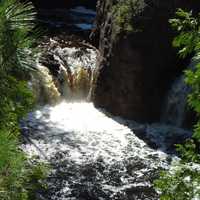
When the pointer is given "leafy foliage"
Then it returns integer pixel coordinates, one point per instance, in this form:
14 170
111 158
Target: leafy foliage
16 22
18 179
15 100
183 179
188 39
180 183
124 12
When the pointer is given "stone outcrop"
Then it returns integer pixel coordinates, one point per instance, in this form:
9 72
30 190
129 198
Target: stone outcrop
135 70
63 3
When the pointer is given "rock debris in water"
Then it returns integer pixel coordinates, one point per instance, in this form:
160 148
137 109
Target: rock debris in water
93 155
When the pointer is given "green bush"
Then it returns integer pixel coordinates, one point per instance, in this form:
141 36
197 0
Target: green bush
19 179
182 181
124 12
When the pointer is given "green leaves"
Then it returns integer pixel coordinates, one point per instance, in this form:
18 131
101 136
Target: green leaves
188 41
18 179
187 26
123 13
193 80
183 179
18 15
180 183
16 22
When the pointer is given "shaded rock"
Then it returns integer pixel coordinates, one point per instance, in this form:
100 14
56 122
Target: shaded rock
49 61
63 3
135 70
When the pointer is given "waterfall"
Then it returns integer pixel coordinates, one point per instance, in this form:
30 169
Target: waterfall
65 71
92 155
44 87
175 105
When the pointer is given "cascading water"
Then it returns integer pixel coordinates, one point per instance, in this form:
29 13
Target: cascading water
175 106
43 85
93 155
176 102
65 71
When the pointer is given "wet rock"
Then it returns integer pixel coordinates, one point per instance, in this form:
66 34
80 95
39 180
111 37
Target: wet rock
135 70
49 61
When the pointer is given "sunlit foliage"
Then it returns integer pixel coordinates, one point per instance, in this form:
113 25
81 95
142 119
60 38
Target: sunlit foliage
18 179
182 181
124 12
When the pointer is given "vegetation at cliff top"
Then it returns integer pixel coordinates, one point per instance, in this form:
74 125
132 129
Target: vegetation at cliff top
124 12
18 179
182 181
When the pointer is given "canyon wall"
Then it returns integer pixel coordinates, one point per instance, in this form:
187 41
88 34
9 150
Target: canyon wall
135 70
63 3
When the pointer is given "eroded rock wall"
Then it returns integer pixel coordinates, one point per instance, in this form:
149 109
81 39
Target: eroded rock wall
135 70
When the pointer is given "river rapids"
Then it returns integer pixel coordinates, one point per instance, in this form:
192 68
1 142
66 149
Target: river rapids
93 155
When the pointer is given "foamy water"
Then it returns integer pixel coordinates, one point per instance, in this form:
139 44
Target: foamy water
93 155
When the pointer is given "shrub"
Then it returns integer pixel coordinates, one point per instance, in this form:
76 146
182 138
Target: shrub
18 179
124 12
182 181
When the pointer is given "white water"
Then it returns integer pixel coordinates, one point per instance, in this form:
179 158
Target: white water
96 156
175 105
64 71
77 57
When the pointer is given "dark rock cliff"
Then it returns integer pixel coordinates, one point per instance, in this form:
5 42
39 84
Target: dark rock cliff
135 71
63 3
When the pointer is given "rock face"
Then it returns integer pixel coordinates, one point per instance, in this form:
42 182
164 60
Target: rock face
63 3
135 71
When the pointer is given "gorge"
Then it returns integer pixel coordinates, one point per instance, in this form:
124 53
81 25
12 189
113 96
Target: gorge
108 116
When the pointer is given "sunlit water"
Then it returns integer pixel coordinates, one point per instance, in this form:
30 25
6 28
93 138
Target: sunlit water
65 71
94 156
